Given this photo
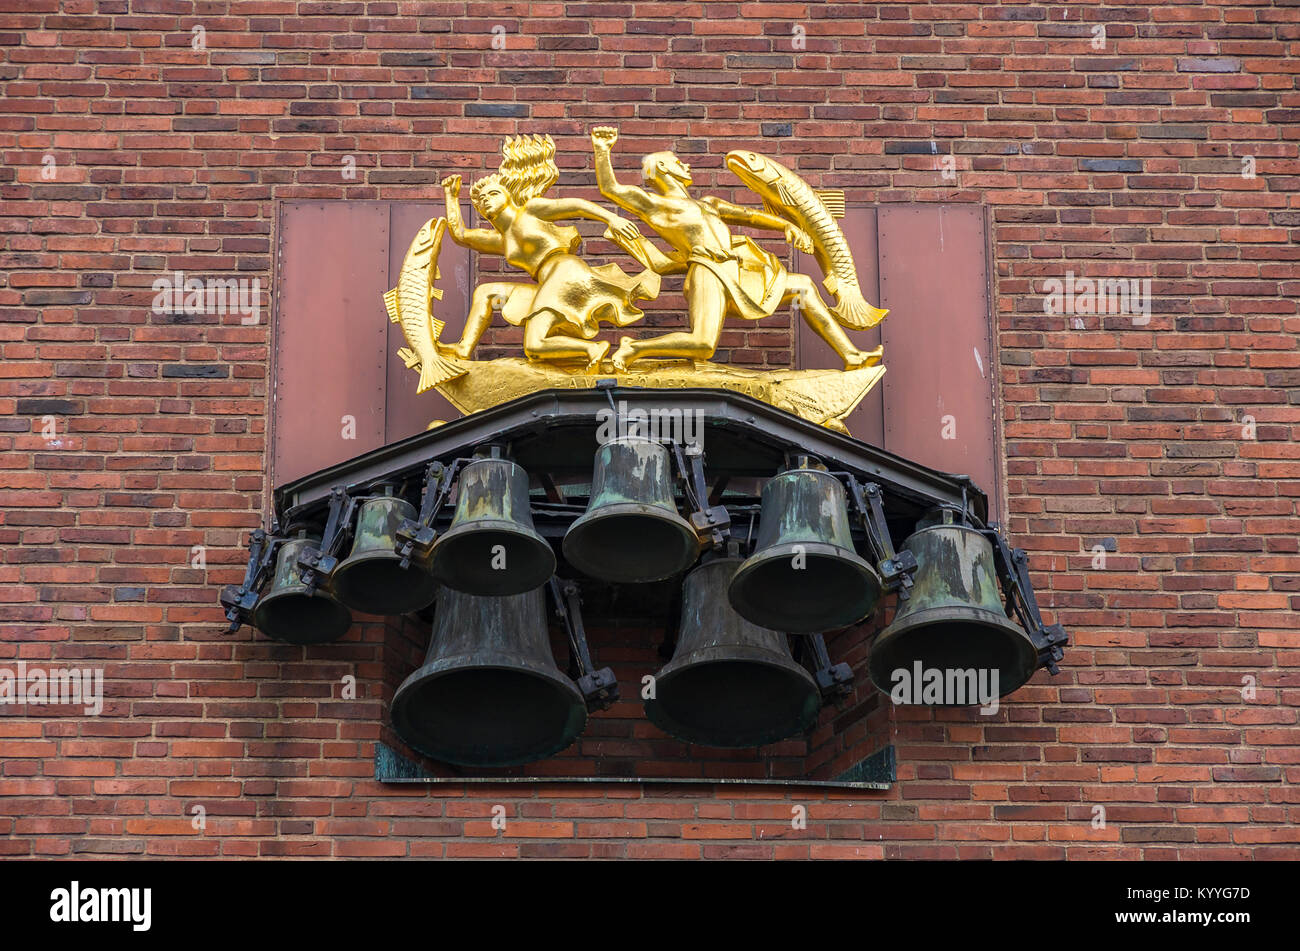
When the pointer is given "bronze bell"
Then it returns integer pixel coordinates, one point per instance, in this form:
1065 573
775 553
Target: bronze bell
804 575
954 619
489 693
492 547
631 531
286 612
371 579
730 683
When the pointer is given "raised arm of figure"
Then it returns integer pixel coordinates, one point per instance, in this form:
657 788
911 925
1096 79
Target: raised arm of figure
630 197
476 239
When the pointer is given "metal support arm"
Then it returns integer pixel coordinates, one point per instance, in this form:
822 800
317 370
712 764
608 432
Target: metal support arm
835 681
415 538
599 687
239 600
1013 568
317 564
711 522
896 568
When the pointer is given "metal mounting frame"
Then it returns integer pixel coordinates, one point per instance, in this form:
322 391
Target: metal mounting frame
552 434
240 600
766 433
599 687
712 523
1013 569
896 567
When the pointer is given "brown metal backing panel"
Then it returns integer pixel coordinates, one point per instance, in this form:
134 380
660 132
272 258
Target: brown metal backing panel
337 259
329 355
407 412
937 338
867 422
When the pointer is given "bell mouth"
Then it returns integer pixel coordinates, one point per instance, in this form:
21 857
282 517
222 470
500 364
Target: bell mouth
468 560
954 638
833 588
487 714
720 697
298 618
376 583
631 542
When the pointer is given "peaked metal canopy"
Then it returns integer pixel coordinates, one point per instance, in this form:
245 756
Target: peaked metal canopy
553 434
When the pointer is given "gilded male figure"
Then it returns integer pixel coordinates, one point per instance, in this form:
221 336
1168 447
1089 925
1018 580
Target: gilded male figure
726 275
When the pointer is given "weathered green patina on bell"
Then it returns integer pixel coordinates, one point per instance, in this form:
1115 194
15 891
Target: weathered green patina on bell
805 575
286 612
371 579
954 619
631 531
492 547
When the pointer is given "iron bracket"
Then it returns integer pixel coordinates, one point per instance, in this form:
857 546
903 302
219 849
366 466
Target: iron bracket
896 568
415 538
835 681
239 600
317 564
599 687
1013 568
712 523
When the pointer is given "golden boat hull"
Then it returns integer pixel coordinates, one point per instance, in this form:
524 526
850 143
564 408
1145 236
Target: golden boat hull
825 397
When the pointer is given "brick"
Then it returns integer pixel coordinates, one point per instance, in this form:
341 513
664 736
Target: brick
1110 165
1124 162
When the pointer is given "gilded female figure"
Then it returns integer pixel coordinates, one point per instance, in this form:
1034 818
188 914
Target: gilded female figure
561 310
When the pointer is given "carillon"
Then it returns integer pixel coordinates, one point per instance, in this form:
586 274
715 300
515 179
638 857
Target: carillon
632 531
742 538
372 579
492 547
765 547
805 576
730 683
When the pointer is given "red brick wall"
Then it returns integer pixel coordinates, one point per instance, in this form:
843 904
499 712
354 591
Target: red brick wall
1125 160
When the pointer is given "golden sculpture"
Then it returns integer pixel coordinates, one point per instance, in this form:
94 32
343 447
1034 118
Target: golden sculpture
728 275
559 312
562 308
410 304
783 190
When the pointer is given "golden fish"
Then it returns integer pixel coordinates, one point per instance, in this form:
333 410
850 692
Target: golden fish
410 304
788 196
